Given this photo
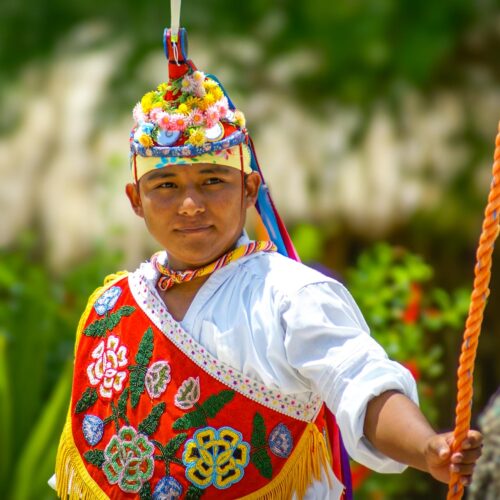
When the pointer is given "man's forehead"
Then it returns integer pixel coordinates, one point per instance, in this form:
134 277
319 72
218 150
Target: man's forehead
193 168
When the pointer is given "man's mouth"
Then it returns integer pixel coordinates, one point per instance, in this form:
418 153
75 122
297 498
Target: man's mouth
193 229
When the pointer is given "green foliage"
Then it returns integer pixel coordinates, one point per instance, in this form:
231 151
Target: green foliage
408 317
39 311
363 47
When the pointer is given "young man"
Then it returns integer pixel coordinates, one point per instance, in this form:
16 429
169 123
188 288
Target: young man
215 368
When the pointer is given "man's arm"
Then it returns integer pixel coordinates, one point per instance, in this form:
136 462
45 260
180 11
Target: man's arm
396 427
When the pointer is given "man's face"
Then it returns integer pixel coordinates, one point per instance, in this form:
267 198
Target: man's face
195 212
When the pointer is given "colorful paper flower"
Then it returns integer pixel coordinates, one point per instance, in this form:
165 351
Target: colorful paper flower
147 101
239 118
143 129
207 101
146 141
193 102
188 84
196 118
223 107
105 370
155 114
196 137
188 393
183 109
128 460
177 122
138 114
215 457
212 116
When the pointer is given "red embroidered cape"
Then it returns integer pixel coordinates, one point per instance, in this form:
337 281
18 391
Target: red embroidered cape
153 413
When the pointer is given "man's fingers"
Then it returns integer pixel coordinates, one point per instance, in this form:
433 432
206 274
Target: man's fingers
466 457
462 469
474 439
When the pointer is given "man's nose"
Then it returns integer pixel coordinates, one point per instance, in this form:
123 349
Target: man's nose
191 204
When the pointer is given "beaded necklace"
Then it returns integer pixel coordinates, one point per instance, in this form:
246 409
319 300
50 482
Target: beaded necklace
170 277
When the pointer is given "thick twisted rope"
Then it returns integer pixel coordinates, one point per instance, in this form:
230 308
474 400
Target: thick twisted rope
480 292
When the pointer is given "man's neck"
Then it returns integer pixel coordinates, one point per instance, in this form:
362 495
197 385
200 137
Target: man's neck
179 297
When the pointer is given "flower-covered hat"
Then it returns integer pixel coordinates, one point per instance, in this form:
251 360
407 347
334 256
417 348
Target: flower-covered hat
189 119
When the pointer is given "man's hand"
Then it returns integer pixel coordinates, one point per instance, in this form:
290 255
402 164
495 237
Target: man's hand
397 428
441 462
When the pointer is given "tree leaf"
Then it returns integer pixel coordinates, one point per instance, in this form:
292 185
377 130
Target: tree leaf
94 457
149 425
89 397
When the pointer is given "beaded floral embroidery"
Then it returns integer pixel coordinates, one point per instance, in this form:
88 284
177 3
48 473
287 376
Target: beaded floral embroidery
167 488
93 429
107 300
281 441
128 460
157 378
215 456
188 393
105 371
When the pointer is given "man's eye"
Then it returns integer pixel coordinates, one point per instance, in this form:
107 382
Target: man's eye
166 185
213 180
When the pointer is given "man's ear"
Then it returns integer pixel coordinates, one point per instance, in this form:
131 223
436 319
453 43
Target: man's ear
252 184
132 191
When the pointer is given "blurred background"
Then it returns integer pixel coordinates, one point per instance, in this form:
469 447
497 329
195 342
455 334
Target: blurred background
374 123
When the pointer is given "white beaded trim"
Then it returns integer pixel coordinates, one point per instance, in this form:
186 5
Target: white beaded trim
149 301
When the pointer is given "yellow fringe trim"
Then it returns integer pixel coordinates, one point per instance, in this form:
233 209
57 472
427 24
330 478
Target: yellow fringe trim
72 478
302 467
73 481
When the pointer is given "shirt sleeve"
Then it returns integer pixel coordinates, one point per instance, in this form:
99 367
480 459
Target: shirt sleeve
327 341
